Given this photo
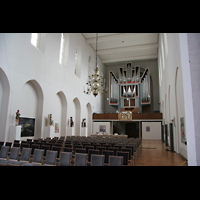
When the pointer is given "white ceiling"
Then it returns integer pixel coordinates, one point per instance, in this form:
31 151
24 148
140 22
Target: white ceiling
115 48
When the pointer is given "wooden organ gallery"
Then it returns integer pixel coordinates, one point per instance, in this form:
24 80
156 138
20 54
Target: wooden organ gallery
131 95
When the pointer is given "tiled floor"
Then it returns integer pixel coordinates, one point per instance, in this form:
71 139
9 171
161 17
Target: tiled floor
154 154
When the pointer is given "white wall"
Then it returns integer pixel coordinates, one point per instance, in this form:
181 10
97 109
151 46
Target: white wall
97 124
190 44
171 86
21 62
155 130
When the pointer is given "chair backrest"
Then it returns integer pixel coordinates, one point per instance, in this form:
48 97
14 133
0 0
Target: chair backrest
130 146
51 157
58 144
86 144
16 145
101 149
115 160
107 146
125 156
114 149
112 143
26 152
97 160
118 146
25 145
77 146
91 152
102 143
56 148
122 144
65 158
68 145
128 150
34 146
38 155
96 145
1 143
80 150
49 144
107 154
66 149
8 144
89 147
4 152
80 159
14 153
45 147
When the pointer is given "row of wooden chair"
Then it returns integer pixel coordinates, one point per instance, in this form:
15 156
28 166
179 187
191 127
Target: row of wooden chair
65 158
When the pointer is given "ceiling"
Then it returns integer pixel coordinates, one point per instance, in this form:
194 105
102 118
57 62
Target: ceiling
117 48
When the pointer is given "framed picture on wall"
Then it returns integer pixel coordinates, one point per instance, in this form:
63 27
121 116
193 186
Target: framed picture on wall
102 128
56 127
28 126
182 130
147 128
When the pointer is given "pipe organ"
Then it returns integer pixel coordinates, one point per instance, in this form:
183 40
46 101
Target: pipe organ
130 90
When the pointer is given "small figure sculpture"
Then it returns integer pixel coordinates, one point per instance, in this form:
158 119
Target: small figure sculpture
71 122
17 117
84 122
49 120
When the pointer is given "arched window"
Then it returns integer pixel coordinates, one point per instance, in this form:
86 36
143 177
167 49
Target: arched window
76 61
35 39
77 67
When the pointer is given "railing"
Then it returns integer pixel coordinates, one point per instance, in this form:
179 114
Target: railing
134 115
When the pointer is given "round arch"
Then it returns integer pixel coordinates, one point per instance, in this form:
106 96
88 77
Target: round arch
39 107
5 98
77 121
89 119
63 113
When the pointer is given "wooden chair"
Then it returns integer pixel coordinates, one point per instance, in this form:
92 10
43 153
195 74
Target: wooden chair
4 152
107 154
65 158
80 150
50 158
97 160
89 147
101 149
80 159
13 156
114 149
67 149
125 156
91 152
37 158
26 152
115 160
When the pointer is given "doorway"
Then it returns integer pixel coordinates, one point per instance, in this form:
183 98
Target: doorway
132 129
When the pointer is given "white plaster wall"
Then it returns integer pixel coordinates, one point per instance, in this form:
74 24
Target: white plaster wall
155 130
22 62
1 94
169 59
97 124
191 50
28 101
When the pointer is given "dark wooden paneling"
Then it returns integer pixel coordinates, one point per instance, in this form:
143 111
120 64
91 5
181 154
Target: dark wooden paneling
134 116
